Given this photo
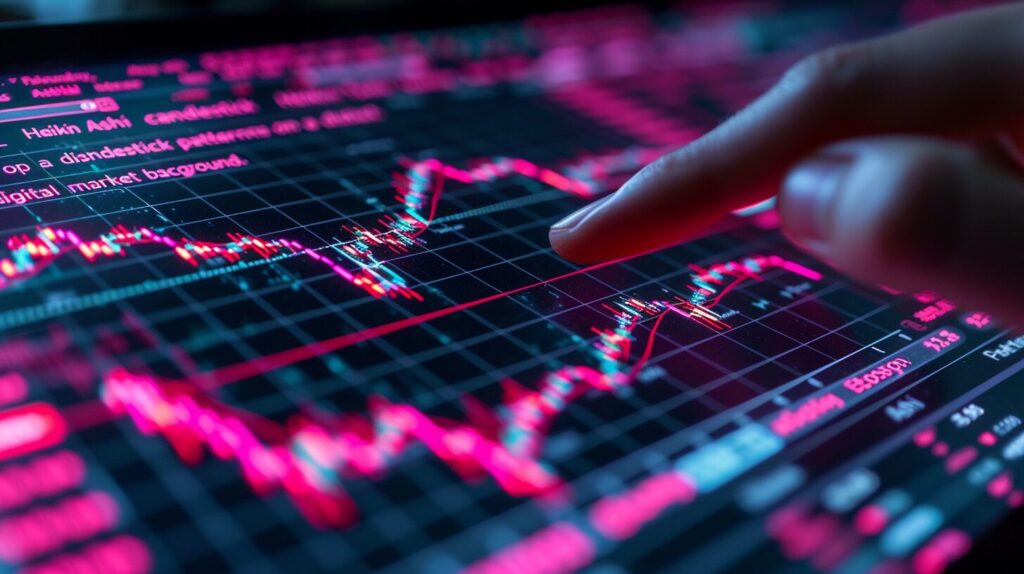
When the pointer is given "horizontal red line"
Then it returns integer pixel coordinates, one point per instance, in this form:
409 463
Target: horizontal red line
239 371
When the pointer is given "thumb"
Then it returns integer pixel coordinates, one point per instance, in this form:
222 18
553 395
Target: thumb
913 214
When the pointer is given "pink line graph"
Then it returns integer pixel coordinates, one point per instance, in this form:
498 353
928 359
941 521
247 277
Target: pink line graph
420 190
310 460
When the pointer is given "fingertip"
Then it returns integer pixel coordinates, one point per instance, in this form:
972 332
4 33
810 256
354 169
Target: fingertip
562 242
570 222
567 235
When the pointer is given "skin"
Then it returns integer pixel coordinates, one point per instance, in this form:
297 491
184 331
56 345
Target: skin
897 160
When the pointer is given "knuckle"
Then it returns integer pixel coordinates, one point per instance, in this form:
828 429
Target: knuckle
668 166
830 75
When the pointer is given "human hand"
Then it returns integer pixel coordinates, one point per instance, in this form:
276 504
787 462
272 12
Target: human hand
897 160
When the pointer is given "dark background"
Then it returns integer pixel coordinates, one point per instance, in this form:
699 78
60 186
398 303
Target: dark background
70 11
202 19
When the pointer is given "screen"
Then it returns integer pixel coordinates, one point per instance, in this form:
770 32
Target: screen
291 308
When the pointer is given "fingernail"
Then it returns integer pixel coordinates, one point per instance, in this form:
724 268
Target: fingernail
573 219
807 195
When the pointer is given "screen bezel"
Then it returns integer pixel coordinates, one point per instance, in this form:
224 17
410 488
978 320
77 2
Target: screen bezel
148 37
26 45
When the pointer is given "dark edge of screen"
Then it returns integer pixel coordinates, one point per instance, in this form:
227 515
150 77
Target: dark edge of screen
23 46
177 33
171 34
996 549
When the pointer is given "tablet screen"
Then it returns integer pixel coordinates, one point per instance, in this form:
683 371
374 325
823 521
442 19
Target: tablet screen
292 308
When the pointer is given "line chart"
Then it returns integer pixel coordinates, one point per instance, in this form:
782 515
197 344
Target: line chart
420 190
29 254
309 460
294 307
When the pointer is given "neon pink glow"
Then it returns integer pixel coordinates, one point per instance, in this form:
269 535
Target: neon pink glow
419 190
47 528
791 421
309 459
941 551
1015 499
798 269
987 438
1001 485
415 186
883 372
119 555
13 388
801 536
31 428
940 341
835 550
620 517
822 539
960 459
625 115
42 477
925 437
935 310
267 363
557 549
871 520
978 320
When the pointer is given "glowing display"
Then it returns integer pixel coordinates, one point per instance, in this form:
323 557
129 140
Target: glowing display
503 443
292 308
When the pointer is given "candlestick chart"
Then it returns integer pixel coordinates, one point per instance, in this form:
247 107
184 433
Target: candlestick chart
293 306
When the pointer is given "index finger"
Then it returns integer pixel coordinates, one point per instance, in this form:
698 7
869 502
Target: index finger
957 76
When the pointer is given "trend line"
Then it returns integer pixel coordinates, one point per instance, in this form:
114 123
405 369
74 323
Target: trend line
30 254
420 190
309 460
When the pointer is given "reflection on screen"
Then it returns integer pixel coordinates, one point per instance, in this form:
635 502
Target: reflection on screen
292 307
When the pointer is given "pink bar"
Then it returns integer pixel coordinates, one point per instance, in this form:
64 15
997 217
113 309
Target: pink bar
73 108
31 428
